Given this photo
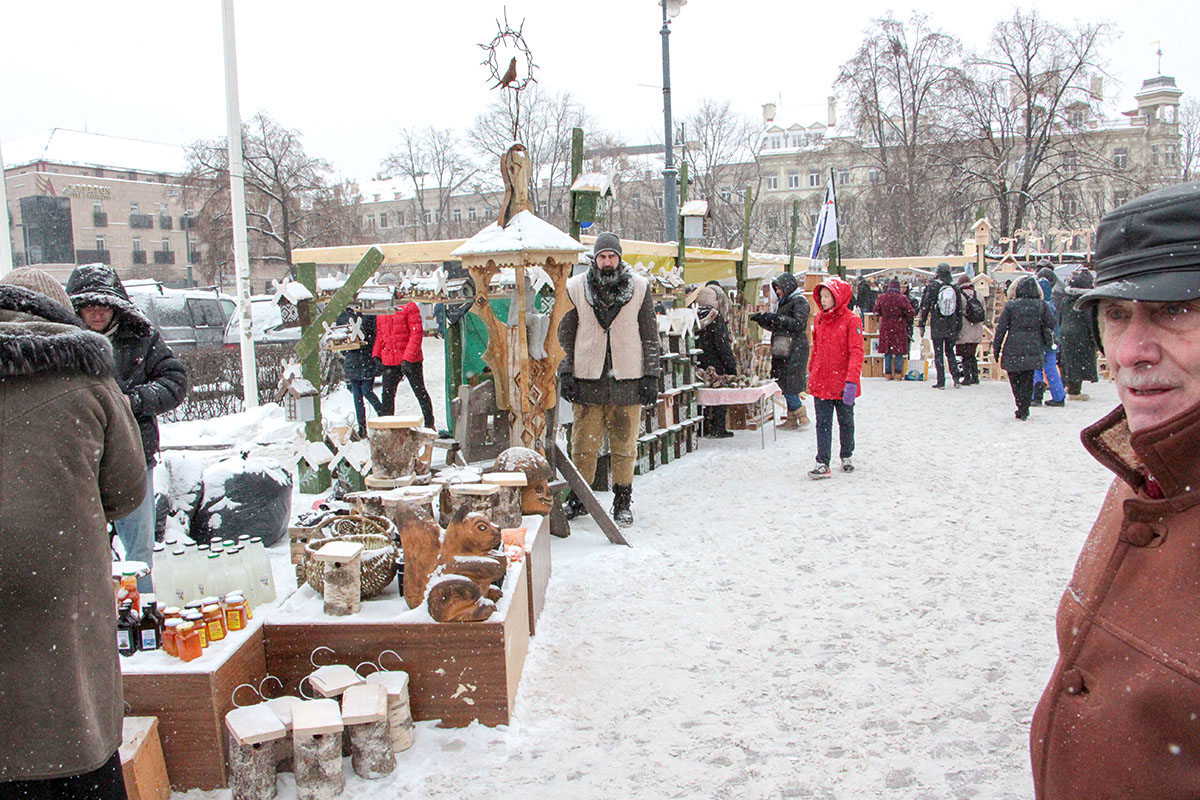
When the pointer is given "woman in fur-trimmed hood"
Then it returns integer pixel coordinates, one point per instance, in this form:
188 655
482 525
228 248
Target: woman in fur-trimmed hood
71 460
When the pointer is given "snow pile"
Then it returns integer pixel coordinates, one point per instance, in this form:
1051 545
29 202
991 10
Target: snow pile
525 231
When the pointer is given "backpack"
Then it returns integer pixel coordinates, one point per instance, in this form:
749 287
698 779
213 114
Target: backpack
947 301
974 310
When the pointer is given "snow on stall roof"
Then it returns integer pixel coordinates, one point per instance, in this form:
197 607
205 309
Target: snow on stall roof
525 231
694 208
592 182
64 146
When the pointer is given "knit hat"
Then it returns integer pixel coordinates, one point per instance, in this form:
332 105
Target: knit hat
964 279
38 281
607 241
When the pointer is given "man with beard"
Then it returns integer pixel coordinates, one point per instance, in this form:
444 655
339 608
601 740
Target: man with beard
1119 717
610 369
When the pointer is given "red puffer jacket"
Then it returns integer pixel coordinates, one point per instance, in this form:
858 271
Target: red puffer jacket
837 348
398 336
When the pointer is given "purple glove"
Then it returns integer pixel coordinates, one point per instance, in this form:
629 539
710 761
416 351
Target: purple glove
848 393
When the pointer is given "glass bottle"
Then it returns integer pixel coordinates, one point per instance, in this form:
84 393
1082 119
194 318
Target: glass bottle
149 634
127 630
129 591
235 612
197 621
264 589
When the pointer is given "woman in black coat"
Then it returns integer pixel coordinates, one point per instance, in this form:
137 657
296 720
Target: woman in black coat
716 351
1078 356
359 368
789 346
1024 332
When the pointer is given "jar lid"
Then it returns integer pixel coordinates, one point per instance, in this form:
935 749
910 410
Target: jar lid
172 623
208 601
184 627
211 609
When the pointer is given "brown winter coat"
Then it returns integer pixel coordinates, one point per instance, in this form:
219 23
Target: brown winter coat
70 459
1120 717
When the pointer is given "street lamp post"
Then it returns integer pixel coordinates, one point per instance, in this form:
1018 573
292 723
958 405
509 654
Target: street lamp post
670 210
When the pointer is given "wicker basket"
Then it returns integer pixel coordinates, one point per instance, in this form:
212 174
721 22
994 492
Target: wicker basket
378 570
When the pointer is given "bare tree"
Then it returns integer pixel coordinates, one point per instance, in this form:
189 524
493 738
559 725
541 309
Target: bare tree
289 202
433 161
1189 139
722 149
541 121
894 88
1026 103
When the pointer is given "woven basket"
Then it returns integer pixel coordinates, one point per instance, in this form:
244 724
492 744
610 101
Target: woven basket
377 571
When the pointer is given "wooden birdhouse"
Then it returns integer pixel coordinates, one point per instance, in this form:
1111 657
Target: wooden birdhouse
298 397
586 193
694 213
983 232
288 296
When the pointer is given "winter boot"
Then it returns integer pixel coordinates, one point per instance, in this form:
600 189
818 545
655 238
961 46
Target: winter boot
622 499
719 429
790 422
573 507
802 418
1039 392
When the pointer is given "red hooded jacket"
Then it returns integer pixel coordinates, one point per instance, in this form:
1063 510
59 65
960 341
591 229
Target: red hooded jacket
837 348
398 336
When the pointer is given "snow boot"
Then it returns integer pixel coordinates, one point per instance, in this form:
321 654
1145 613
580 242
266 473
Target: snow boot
1039 392
790 422
802 418
573 507
622 499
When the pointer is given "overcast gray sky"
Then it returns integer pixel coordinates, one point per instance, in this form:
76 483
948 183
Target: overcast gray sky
349 74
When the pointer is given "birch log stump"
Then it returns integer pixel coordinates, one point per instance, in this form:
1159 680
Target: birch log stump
317 742
480 497
397 445
253 732
508 504
282 706
399 712
342 575
364 712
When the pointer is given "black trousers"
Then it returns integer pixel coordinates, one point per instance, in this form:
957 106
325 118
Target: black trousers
105 783
970 364
1021 384
845 416
943 351
415 373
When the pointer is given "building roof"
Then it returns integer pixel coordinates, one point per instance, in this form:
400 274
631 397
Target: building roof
77 148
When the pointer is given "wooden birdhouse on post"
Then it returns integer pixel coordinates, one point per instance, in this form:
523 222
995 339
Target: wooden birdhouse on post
586 193
983 237
536 252
297 394
694 213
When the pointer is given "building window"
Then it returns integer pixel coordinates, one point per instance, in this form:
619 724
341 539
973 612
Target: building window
396 196
132 175
137 244
776 142
793 179
383 219
1154 155
100 243
428 216
1121 157
376 199
133 207
635 202
772 181
166 245
873 175
773 219
1170 155
471 214
97 207
369 222
725 193
1070 161
1076 117
399 219
98 172
812 220
1120 198
843 176
814 177
658 201
456 215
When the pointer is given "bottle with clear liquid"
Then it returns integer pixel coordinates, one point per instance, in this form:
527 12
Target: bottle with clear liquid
161 574
260 565
218 581
183 580
204 576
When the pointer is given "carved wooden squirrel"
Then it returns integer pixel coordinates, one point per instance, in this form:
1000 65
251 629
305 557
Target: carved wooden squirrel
452 572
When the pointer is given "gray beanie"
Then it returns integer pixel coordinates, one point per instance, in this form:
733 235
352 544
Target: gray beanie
607 241
39 281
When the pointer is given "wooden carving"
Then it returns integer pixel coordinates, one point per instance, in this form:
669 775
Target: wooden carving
535 495
514 171
451 573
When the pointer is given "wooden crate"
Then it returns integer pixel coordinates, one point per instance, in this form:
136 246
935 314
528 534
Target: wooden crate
873 367
458 672
749 416
870 323
191 705
142 762
537 569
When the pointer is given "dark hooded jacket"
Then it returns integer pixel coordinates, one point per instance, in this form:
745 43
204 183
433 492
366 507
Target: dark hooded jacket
358 364
716 351
789 336
1025 329
895 312
70 460
1058 289
1077 351
837 354
149 374
941 327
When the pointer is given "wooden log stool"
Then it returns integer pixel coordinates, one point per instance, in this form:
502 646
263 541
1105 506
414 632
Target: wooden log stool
317 743
253 731
282 706
399 712
364 713
481 497
508 503
399 446
343 577
331 680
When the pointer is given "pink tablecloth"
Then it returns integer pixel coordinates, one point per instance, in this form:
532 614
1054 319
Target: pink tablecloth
736 396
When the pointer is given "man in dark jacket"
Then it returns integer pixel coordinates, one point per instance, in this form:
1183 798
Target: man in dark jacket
945 308
1077 342
610 370
789 346
71 460
1024 329
1118 718
147 372
359 367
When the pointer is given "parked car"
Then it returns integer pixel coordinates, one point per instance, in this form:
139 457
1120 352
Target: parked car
188 319
266 323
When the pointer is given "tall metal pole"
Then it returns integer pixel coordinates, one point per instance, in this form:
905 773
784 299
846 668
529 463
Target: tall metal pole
5 237
670 210
237 194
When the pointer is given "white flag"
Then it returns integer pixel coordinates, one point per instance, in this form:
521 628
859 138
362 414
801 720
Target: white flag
827 227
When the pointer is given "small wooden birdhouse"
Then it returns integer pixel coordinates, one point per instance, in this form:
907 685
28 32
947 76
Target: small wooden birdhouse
586 193
694 212
983 232
288 296
298 395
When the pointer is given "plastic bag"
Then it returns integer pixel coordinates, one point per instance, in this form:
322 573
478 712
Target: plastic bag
243 496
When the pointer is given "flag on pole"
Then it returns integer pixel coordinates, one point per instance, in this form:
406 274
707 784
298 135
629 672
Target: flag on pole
827 225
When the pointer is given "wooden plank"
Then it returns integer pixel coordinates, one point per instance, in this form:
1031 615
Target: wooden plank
537 569
339 551
142 762
316 718
584 493
333 679
255 724
364 703
395 421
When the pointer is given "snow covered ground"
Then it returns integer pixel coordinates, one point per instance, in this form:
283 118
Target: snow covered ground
882 634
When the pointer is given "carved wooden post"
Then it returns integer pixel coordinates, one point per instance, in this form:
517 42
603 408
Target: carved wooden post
399 712
317 739
364 712
508 504
343 577
253 731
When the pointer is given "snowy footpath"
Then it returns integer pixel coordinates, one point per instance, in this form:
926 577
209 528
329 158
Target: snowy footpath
881 634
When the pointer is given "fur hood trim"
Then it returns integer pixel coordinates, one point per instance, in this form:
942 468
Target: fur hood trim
38 335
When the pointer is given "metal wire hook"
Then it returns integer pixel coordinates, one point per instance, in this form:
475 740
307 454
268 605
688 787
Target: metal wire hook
261 693
300 687
369 663
233 697
379 659
312 657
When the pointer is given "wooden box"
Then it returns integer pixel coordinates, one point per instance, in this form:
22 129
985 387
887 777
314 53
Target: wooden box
142 761
870 323
191 705
873 367
458 672
537 569
642 465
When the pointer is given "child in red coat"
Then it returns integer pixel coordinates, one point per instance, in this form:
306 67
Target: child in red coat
834 372
398 347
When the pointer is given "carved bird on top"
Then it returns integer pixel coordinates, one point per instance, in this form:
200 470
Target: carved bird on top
514 171
510 75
